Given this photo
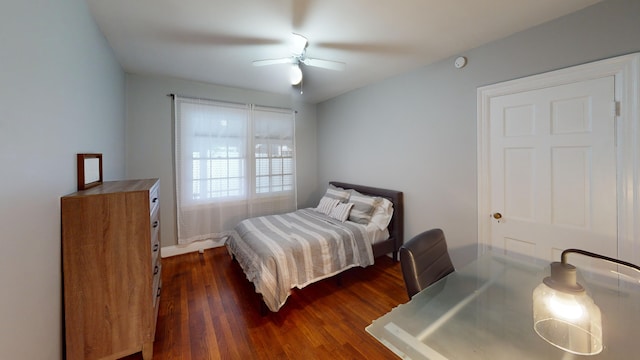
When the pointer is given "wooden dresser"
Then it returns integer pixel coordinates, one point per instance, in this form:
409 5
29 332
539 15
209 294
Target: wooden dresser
111 269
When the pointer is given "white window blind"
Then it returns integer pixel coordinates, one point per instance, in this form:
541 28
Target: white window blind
233 161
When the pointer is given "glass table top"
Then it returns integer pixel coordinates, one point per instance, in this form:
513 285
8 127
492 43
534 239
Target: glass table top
484 311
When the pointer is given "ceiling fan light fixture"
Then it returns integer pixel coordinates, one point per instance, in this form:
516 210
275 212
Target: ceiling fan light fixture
296 74
298 56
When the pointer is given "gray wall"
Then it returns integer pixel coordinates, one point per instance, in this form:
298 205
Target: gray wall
61 93
417 132
150 135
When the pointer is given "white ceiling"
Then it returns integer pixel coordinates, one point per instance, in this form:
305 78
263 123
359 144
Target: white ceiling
215 41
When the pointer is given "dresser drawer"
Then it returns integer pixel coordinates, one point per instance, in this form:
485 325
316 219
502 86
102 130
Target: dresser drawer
156 308
154 199
154 222
155 252
157 283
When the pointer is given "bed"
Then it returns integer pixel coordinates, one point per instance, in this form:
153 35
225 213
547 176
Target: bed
280 252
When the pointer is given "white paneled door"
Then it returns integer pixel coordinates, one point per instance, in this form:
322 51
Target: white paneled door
553 169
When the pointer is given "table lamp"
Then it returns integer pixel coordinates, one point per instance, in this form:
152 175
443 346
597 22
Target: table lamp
563 314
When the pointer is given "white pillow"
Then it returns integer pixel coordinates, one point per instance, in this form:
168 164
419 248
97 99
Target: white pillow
341 212
382 214
327 204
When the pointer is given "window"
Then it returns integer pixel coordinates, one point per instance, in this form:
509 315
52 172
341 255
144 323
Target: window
214 143
234 153
273 144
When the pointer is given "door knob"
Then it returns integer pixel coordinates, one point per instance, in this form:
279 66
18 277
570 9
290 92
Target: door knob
497 216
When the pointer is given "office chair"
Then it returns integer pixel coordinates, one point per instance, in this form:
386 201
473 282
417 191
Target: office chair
424 260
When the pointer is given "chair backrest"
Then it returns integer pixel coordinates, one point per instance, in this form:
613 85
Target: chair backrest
424 260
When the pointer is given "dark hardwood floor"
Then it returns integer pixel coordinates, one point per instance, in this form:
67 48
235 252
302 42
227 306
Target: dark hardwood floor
208 310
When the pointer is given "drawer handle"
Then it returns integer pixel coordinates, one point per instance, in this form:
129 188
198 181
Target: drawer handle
155 200
155 224
155 247
155 270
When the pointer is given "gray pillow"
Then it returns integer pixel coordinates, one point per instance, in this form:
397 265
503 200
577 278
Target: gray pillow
334 192
363 207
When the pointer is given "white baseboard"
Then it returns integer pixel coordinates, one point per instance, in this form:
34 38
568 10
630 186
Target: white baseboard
174 250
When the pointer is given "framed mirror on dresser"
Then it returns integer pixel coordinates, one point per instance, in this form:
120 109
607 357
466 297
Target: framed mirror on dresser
89 170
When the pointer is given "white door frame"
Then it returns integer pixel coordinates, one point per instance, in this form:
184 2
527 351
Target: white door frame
626 70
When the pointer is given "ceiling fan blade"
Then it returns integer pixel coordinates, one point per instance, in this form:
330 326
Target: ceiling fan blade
265 62
298 44
325 64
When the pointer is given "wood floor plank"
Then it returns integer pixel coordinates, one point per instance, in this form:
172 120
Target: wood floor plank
209 310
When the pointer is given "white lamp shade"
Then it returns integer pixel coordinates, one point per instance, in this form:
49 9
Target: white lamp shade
296 74
569 321
298 44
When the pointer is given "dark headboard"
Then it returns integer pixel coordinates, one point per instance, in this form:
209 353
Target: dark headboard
396 226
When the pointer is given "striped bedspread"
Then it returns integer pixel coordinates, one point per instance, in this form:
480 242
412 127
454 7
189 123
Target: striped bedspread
280 252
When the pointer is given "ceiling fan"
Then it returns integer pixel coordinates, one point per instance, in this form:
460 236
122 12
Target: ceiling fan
299 56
